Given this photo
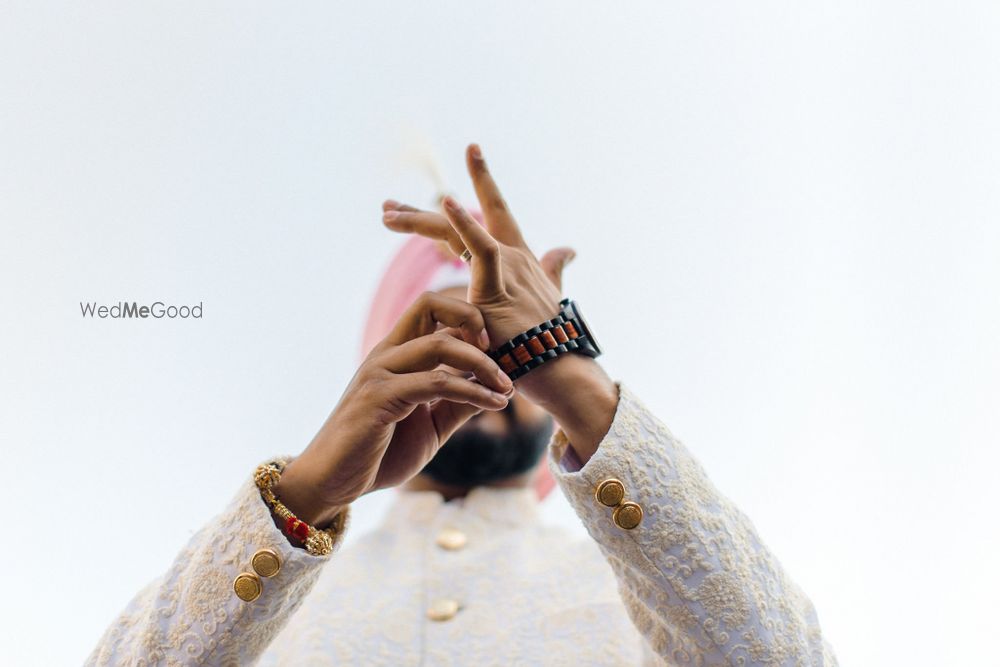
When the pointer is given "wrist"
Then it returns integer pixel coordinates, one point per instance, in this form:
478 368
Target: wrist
579 395
315 540
547 341
302 496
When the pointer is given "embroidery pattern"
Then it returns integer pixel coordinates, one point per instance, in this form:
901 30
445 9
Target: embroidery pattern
695 576
692 585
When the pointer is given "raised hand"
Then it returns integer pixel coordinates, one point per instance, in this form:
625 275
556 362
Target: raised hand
516 291
509 284
413 390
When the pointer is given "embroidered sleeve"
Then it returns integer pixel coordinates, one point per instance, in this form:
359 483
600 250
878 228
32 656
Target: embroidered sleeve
191 615
697 580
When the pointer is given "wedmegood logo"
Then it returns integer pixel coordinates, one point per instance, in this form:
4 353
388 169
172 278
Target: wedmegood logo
129 310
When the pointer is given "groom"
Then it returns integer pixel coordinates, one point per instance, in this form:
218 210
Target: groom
453 404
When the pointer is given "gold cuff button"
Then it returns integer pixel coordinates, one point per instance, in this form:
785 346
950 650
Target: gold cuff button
451 539
443 610
610 492
247 586
627 515
266 563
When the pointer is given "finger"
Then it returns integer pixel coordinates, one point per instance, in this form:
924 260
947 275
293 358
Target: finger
432 225
487 277
427 386
428 352
498 218
430 309
449 416
482 342
393 205
554 261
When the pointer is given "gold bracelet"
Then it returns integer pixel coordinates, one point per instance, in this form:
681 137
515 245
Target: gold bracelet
318 542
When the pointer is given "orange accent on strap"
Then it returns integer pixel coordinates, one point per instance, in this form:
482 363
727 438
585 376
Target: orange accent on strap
535 346
570 330
560 335
547 339
507 364
521 354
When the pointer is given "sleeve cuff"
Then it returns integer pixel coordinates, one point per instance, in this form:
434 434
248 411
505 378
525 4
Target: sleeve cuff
606 491
256 530
610 459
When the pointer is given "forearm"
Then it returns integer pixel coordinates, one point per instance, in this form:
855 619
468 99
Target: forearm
694 574
580 396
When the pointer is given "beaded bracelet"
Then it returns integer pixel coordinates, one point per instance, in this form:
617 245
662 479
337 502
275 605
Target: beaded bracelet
318 542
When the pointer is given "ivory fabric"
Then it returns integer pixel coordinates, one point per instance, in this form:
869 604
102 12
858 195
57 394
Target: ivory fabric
693 584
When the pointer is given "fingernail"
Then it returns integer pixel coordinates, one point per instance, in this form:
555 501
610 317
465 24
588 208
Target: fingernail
484 339
451 203
475 152
571 257
390 203
389 216
498 397
504 379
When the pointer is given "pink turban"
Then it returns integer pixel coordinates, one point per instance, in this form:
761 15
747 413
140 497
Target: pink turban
415 269
419 266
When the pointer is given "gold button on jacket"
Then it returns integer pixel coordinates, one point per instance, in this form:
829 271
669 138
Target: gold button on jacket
443 609
610 492
266 563
451 539
628 515
505 597
247 586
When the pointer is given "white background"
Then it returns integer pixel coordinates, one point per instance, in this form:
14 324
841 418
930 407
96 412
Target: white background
797 200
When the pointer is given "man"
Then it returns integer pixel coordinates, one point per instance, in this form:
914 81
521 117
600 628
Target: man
461 572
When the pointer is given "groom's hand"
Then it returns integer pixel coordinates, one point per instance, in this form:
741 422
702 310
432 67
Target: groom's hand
515 291
399 408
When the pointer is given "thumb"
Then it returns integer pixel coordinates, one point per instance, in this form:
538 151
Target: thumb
554 261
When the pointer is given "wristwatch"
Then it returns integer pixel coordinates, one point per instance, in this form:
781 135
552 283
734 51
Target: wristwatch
566 332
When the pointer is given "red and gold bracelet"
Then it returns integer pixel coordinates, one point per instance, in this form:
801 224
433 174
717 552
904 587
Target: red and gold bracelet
317 542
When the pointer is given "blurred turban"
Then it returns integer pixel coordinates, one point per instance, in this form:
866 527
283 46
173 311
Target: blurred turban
422 265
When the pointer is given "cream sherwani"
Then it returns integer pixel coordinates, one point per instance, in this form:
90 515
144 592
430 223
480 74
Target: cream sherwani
482 581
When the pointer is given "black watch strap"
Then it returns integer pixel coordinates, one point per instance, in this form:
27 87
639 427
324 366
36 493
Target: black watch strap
566 332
